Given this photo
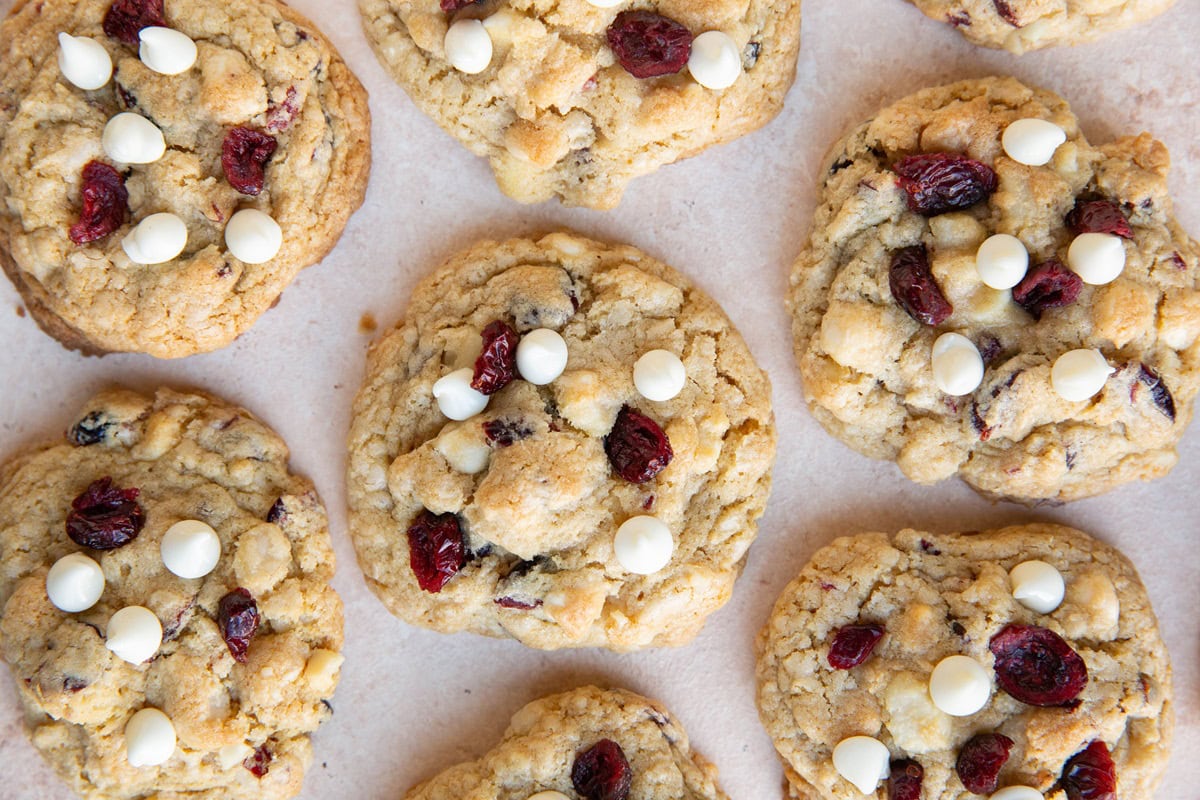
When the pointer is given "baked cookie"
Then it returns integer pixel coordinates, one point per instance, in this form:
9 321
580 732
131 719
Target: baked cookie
967 664
575 98
1022 25
156 655
962 310
584 744
510 475
164 207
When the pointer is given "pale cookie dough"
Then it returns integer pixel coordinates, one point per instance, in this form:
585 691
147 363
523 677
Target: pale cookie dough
554 111
944 595
539 750
191 457
259 65
866 363
538 507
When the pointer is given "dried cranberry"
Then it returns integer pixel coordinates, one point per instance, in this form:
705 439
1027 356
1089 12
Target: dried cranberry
126 18
244 155
237 616
852 644
636 446
904 780
1158 391
450 6
436 549
504 432
517 603
105 203
259 761
649 44
91 429
914 287
602 772
937 183
1006 12
1099 216
105 517
1036 666
497 364
1048 285
980 761
278 513
1090 774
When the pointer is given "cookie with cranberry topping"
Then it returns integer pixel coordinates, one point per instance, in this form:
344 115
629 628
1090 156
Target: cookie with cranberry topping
249 653
576 99
585 743
1079 376
1088 636
567 508
267 118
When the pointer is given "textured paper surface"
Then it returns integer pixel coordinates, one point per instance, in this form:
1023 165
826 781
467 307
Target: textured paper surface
412 702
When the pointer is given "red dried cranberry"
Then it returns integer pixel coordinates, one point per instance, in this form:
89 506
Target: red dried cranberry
1090 774
516 603
436 549
105 203
1099 216
127 17
937 183
853 644
504 432
450 6
237 616
1048 285
636 446
259 761
1036 666
904 780
980 761
1158 391
244 155
497 364
914 287
1006 12
602 772
649 45
105 517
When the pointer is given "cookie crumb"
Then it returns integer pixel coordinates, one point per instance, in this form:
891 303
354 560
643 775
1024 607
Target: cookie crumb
367 323
21 311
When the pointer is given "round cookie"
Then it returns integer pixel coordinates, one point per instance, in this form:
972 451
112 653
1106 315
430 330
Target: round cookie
267 90
1022 25
554 110
249 652
879 284
936 596
509 523
563 745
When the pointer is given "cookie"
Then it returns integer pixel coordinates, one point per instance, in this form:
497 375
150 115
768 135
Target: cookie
165 207
575 99
167 614
914 649
964 311
586 743
1023 25
509 474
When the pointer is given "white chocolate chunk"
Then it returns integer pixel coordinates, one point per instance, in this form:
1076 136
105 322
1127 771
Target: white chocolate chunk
190 549
1097 258
550 794
1002 261
643 545
74 583
960 686
1032 141
455 397
659 375
1079 374
1037 586
464 448
149 738
166 50
715 62
253 237
83 61
468 46
541 356
1017 793
134 634
863 761
322 668
132 139
232 755
957 365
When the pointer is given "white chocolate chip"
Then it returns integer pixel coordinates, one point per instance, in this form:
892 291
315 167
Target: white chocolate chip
643 545
166 50
83 61
232 755
322 669
715 62
541 356
1097 258
455 397
960 686
132 139
190 549
957 365
1079 374
464 448
134 634
253 237
468 46
1032 141
149 738
1037 586
551 794
75 583
863 761
1017 793
1002 261
156 239
659 375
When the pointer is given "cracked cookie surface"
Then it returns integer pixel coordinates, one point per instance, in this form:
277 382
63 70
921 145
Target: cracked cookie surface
556 114
941 595
865 362
191 457
539 509
259 65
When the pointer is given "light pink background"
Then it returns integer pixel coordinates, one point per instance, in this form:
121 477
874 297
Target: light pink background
412 702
